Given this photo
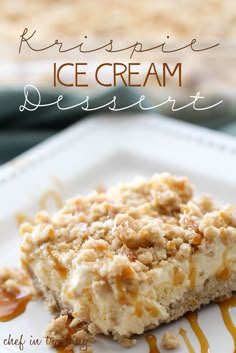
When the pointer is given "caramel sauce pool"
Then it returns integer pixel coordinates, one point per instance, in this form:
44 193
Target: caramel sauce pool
225 307
12 305
152 343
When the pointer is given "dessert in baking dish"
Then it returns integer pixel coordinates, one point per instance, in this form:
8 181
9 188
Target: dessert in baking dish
127 259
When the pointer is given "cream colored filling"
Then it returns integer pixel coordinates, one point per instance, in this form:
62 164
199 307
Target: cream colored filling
109 303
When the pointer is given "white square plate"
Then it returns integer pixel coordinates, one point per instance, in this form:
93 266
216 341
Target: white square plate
108 150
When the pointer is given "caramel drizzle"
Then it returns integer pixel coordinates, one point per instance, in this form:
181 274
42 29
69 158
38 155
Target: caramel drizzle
152 343
224 271
50 194
192 275
22 217
225 307
183 333
59 267
12 304
192 319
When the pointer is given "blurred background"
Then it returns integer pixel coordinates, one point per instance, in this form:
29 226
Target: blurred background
211 72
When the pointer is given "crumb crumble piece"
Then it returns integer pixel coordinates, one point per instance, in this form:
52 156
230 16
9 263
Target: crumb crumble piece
170 340
14 280
124 341
64 330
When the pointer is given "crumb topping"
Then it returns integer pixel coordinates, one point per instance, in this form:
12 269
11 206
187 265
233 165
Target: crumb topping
147 222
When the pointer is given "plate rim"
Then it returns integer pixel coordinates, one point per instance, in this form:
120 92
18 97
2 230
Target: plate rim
199 135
